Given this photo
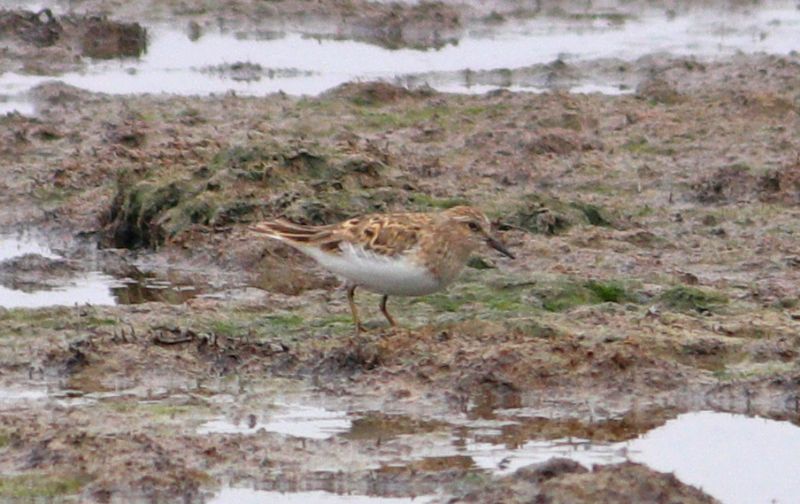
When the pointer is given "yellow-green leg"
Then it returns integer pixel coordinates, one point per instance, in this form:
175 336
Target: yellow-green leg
386 312
351 291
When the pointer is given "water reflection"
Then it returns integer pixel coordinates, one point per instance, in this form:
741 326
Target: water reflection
186 64
43 288
499 459
13 88
291 419
147 289
249 495
16 104
735 458
22 244
9 396
93 288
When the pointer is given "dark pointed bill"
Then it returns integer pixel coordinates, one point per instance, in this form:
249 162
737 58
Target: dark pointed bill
495 244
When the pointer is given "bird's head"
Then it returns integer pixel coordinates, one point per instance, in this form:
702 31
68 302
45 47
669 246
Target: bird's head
475 226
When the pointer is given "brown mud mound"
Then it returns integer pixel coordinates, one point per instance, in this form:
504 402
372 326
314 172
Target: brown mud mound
304 183
505 359
738 182
104 39
659 91
781 185
421 25
40 29
547 214
560 481
43 36
559 141
375 93
623 483
33 269
97 465
725 185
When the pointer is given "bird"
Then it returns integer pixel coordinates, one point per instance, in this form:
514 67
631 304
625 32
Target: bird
393 254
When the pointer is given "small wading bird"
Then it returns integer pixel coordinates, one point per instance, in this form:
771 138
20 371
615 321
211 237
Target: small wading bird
398 254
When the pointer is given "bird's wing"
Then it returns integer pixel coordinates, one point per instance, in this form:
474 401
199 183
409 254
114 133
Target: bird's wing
386 235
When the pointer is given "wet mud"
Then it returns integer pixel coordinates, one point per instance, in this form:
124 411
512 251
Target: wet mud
51 41
657 272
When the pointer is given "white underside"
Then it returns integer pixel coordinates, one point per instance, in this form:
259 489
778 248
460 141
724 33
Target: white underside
397 276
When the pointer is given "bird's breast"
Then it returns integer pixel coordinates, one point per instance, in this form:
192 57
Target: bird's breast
396 275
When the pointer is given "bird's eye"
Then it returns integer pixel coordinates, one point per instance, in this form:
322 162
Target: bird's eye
474 227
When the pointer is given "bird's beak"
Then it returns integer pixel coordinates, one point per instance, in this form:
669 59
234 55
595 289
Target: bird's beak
495 244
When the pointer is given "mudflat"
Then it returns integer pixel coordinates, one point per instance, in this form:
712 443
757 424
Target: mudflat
655 230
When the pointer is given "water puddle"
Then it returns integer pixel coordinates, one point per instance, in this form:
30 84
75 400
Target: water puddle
290 419
296 64
501 460
249 495
53 394
148 289
33 275
735 458
12 104
9 396
91 288
13 88
19 245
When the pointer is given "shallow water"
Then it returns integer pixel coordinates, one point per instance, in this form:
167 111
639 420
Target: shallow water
13 88
84 287
21 244
287 418
501 460
93 288
735 458
302 65
147 289
248 495
17 104
18 395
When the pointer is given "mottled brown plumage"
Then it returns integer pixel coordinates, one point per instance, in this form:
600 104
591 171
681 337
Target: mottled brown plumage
398 253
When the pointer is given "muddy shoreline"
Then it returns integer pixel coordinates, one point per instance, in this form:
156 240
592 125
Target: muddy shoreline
658 273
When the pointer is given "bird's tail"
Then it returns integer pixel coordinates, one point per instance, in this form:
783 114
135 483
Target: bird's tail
296 234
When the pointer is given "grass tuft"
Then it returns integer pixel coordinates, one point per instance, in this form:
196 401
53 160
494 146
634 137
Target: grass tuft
683 298
36 486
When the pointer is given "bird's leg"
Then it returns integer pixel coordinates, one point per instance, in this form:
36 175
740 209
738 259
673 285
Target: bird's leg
351 291
386 312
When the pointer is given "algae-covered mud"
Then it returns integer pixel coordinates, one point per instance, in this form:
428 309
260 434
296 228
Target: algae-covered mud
642 162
